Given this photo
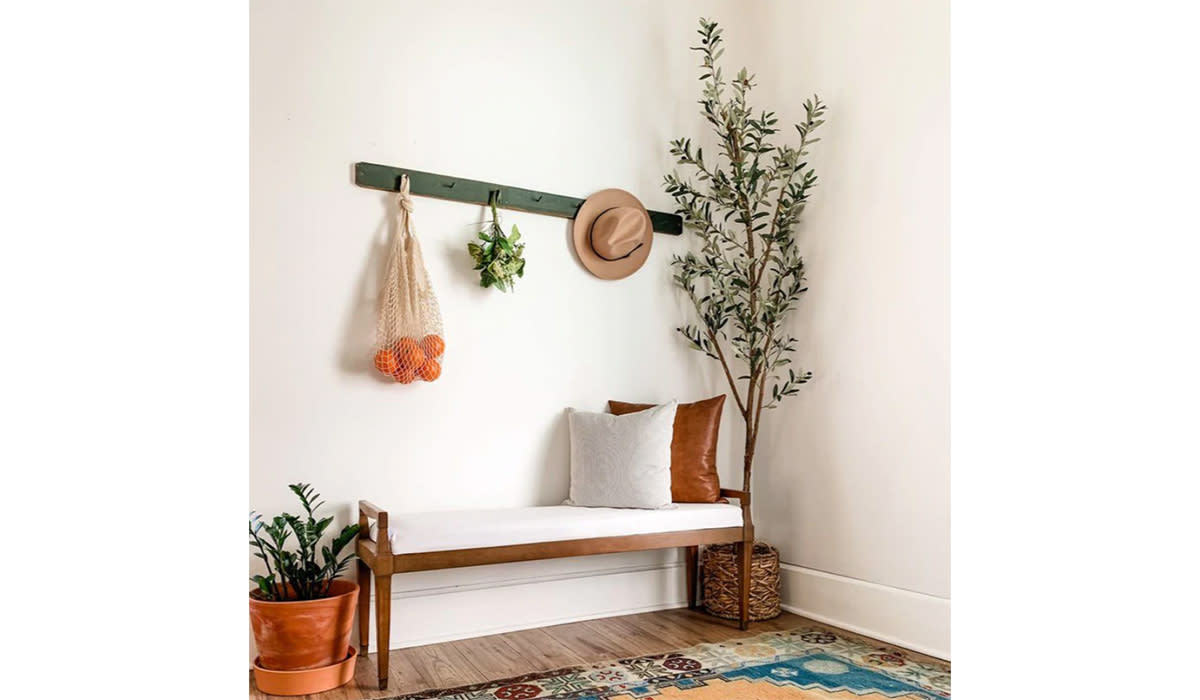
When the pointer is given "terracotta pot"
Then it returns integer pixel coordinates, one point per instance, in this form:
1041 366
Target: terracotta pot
314 680
295 635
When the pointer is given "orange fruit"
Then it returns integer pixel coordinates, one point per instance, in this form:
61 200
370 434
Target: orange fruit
409 354
433 345
385 361
404 375
430 371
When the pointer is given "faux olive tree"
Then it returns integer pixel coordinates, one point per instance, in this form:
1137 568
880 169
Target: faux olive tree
744 205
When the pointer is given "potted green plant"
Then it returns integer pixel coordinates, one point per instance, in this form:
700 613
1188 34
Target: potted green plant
744 205
301 612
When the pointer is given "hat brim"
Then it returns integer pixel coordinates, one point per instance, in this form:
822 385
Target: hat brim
593 207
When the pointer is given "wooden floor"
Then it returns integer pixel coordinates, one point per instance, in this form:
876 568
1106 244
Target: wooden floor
500 656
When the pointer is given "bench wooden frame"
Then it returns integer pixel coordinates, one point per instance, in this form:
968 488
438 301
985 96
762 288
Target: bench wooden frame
376 560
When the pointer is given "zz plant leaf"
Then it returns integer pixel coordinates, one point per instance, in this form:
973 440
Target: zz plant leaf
296 575
499 258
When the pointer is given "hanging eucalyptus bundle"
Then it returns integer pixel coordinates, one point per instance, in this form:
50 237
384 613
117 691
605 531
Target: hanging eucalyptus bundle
499 259
744 206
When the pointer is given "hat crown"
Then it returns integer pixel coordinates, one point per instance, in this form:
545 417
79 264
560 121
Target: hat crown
612 233
617 232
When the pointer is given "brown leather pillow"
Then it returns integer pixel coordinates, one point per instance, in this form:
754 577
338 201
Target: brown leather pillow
693 448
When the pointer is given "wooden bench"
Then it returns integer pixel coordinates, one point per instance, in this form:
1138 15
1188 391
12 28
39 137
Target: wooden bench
435 541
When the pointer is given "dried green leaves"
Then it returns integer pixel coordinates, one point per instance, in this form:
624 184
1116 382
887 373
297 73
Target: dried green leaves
499 258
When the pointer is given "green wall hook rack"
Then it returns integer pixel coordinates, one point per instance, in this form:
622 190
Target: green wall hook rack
386 177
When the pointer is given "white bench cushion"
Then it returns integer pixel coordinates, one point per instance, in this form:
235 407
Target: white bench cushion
467 529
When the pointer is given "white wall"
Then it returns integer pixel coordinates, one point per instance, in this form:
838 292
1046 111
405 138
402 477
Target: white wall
573 97
563 97
854 476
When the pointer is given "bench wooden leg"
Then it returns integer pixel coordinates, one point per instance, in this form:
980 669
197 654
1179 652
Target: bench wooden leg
745 552
691 563
383 625
364 608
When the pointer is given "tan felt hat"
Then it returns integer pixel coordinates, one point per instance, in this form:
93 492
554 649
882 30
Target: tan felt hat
613 234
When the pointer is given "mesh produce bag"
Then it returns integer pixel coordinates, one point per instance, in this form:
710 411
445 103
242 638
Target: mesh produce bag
408 337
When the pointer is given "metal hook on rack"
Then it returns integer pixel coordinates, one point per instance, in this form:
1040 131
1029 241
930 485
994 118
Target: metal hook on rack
493 202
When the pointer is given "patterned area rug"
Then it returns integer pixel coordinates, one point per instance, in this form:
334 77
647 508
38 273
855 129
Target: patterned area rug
807 663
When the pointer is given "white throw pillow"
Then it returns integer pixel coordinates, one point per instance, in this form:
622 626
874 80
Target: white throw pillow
622 461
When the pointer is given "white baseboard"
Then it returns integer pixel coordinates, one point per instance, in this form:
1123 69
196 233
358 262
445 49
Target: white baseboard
911 620
441 606
426 611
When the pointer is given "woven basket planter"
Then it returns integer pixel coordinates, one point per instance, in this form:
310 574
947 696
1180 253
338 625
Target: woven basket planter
719 572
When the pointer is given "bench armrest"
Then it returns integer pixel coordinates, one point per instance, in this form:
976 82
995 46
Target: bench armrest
370 509
747 521
743 496
383 542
